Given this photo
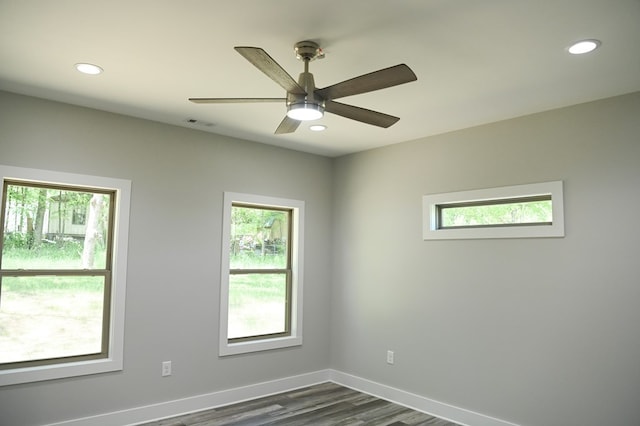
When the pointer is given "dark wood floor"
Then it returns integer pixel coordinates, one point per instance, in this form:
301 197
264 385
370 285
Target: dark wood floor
323 404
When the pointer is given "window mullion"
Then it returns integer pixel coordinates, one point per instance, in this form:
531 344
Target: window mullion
257 271
57 272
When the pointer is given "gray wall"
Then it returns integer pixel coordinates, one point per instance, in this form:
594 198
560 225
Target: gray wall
178 177
534 331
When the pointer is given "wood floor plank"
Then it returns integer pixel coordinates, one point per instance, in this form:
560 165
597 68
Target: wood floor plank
325 404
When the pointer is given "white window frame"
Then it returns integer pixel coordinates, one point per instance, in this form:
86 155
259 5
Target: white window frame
430 203
297 254
114 360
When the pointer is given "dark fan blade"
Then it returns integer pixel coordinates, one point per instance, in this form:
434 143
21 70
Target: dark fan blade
265 63
360 114
287 125
234 100
376 80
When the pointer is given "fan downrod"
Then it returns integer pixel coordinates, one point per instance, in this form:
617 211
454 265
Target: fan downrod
308 50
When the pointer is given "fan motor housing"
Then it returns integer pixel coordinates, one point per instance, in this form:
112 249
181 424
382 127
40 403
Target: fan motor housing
306 81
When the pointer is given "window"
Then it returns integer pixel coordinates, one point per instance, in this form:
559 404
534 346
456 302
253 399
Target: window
508 212
261 291
62 280
486 213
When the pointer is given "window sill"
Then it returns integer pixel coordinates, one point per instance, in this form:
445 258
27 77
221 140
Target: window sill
227 349
58 371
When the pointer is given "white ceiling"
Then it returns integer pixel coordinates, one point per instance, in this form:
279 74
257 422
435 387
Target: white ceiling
476 61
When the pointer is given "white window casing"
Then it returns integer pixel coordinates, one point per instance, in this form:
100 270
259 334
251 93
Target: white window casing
114 360
431 202
297 254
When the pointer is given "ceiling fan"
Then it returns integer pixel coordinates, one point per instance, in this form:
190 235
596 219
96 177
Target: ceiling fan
306 102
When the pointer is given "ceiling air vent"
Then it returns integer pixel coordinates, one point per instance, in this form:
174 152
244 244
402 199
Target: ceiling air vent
196 122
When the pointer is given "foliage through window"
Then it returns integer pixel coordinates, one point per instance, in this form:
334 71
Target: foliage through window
260 272
261 285
502 212
521 211
55 274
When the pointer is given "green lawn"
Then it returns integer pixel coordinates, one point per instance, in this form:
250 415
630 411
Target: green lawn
48 316
256 304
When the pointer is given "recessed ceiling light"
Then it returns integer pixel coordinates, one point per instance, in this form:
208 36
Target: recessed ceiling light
88 68
318 127
583 46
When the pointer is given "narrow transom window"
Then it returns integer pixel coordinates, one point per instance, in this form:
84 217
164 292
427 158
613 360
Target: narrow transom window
521 211
261 282
501 212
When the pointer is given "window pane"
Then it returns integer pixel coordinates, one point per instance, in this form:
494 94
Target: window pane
257 304
259 238
47 317
47 228
497 213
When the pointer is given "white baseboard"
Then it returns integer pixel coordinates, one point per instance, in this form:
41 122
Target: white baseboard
178 407
416 402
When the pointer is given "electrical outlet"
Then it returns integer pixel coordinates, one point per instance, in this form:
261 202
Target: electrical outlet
389 357
166 368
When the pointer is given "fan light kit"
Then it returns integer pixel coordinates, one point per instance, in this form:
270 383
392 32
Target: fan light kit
305 102
88 68
305 111
584 46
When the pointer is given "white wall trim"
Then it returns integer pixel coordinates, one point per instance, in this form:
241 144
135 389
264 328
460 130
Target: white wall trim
178 407
417 402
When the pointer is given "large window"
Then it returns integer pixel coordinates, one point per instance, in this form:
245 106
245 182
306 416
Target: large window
261 274
61 297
